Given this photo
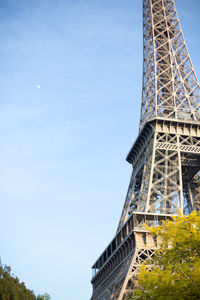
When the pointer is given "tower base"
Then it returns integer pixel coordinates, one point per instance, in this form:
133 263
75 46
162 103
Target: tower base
117 278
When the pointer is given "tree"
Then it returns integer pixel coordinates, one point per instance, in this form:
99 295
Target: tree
175 272
43 297
12 289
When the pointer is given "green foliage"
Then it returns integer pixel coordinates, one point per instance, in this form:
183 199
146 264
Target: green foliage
12 289
175 274
43 297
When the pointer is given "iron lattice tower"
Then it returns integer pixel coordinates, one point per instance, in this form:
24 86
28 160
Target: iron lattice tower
165 156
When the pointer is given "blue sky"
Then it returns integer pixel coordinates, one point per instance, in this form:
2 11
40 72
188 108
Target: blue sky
63 174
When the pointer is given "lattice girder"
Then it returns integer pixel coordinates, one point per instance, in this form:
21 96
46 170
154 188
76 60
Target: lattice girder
116 280
170 85
170 169
165 157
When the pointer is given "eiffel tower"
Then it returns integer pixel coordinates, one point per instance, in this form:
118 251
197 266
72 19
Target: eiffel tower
165 156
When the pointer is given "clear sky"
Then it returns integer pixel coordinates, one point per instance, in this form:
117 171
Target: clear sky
70 90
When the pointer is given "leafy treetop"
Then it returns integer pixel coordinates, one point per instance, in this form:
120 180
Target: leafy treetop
175 272
12 289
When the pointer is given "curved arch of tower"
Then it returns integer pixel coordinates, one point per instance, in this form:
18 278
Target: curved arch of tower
165 157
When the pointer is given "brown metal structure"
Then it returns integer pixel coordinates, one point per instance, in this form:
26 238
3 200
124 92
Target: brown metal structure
165 156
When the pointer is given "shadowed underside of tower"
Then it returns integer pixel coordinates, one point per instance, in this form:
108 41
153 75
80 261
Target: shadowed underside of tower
165 157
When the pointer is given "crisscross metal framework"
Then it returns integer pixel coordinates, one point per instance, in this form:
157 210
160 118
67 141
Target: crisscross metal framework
170 85
165 157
